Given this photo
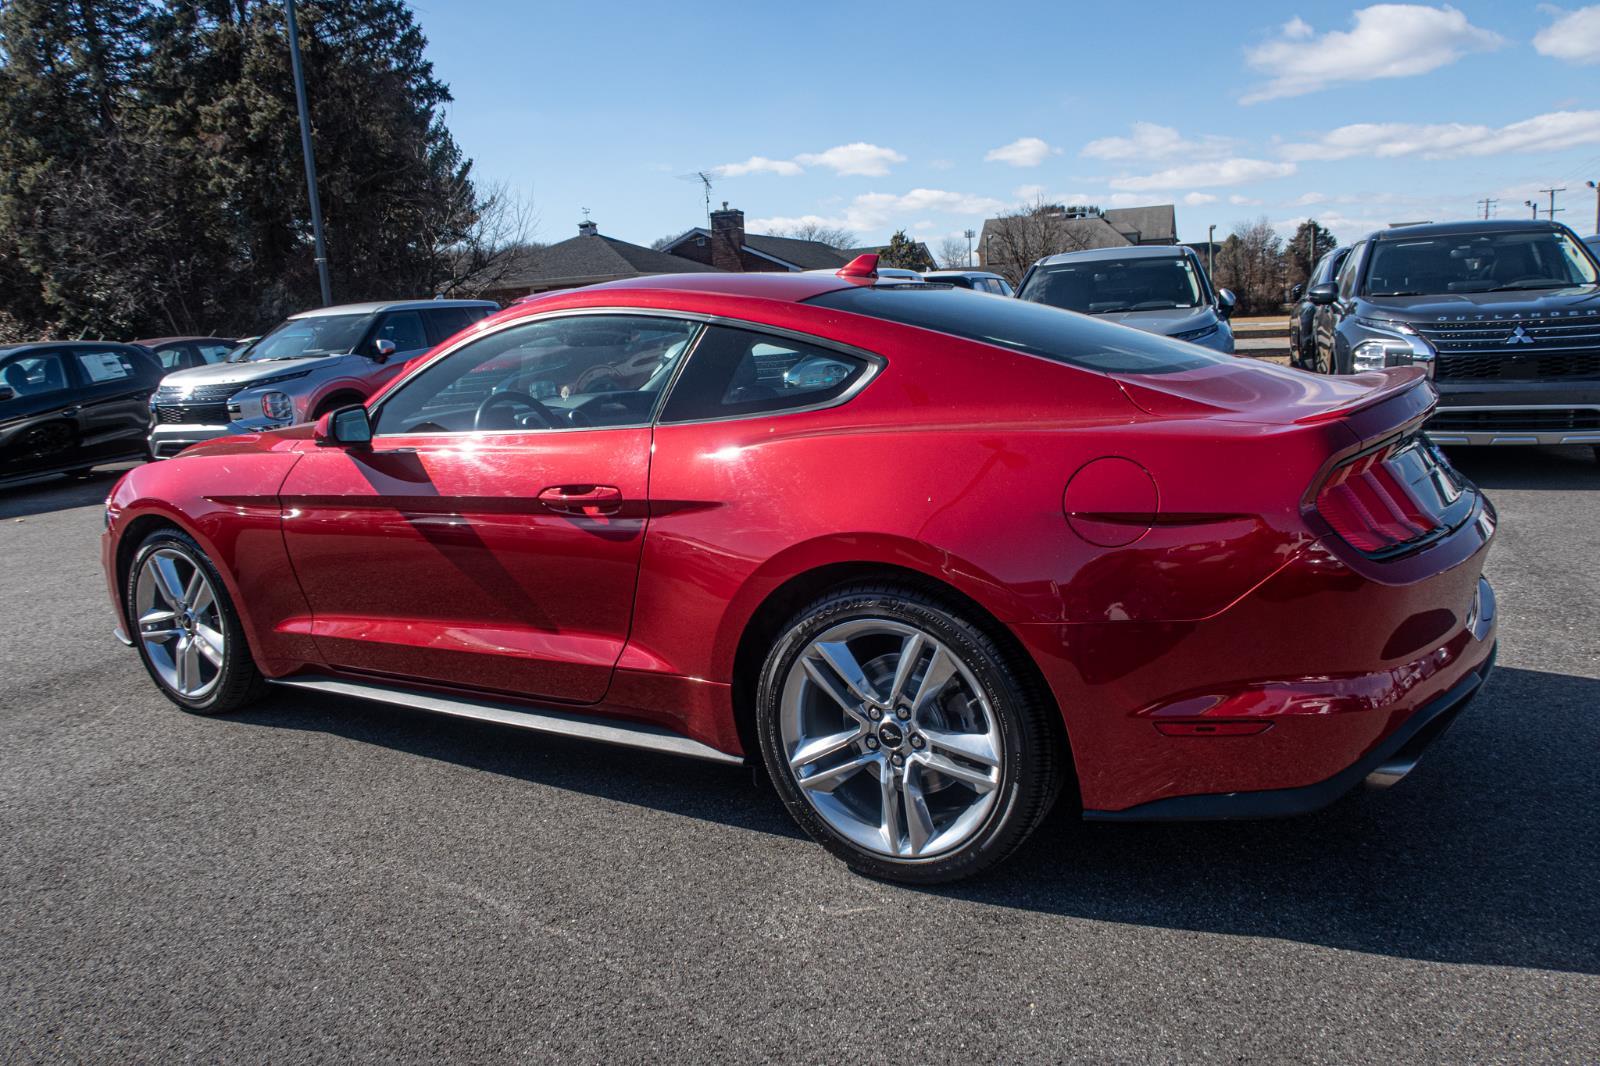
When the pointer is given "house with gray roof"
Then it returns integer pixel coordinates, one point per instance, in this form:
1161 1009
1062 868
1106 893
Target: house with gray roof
587 259
1055 228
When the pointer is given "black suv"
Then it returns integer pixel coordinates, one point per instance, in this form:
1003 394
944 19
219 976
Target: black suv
1506 314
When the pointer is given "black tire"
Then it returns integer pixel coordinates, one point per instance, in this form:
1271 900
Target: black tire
240 682
1033 764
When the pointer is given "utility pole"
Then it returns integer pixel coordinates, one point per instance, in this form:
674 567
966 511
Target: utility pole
1211 244
1551 214
305 149
1596 187
968 234
1486 203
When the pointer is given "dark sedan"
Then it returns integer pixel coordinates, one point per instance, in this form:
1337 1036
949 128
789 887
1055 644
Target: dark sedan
66 406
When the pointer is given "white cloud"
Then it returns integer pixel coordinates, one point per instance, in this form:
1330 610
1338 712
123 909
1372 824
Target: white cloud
1574 37
1552 131
1307 199
1195 199
757 164
876 212
1022 152
1150 141
1238 200
1386 41
1218 172
868 160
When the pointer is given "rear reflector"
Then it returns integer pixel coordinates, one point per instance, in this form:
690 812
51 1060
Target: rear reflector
1388 498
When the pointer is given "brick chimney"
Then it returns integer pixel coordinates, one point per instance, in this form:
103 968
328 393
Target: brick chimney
727 238
588 229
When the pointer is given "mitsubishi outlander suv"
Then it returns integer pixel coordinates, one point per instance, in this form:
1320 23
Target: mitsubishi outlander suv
312 363
1505 314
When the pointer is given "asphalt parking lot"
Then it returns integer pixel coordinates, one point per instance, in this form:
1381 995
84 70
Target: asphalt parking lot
324 879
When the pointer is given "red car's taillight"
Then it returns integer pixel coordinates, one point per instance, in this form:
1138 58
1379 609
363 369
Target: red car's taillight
1370 503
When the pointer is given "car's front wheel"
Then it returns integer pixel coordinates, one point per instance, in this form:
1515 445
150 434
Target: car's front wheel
902 738
185 626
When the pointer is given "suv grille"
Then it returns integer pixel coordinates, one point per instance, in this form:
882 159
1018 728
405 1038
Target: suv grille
177 394
202 414
1525 349
1527 420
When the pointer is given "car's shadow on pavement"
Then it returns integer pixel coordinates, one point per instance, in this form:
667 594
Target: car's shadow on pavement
1528 468
21 499
1488 854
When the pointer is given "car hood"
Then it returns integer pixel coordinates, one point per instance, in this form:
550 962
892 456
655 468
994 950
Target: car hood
1166 323
1507 305
246 373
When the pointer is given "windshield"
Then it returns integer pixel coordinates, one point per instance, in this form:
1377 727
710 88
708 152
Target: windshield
1477 262
301 338
1106 286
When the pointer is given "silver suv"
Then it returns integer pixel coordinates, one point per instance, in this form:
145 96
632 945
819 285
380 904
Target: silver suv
313 362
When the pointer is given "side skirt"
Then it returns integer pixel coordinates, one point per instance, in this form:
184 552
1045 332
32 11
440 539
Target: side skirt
626 734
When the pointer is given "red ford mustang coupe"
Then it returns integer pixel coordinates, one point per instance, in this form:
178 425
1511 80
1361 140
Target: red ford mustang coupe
930 556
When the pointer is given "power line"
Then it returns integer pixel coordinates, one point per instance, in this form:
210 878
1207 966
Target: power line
1551 213
1486 203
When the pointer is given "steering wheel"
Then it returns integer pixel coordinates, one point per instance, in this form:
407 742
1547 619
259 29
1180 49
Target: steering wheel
511 398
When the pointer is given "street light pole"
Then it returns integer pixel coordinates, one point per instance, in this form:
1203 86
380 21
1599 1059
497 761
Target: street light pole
305 148
1211 243
1596 187
968 234
1530 203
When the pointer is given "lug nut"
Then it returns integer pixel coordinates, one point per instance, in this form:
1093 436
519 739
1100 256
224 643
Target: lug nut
903 713
875 713
916 740
899 760
872 743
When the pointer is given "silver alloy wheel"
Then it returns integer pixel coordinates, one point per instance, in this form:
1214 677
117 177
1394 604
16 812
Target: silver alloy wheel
890 738
179 622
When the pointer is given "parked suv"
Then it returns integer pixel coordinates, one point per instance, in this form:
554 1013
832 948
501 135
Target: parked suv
1505 313
1303 350
1159 289
313 362
68 405
976 280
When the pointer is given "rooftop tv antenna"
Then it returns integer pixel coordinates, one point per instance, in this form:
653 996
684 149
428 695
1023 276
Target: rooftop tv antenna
704 178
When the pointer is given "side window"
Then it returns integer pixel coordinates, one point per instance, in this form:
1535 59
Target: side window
404 328
741 372
446 322
214 353
35 374
172 356
583 371
101 367
1347 272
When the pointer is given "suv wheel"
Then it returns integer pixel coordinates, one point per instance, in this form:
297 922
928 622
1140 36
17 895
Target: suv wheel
901 738
186 628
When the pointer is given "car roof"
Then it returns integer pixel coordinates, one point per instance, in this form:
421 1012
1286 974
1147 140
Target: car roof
788 287
961 274
1455 229
150 342
1138 251
373 307
10 348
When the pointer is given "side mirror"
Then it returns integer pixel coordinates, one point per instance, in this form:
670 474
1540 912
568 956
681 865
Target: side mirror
1225 303
1323 295
7 393
382 349
1296 291
348 427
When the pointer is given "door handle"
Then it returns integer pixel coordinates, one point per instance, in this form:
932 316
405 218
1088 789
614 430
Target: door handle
591 500
73 410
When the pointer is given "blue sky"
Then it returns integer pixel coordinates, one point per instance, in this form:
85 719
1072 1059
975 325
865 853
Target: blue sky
931 116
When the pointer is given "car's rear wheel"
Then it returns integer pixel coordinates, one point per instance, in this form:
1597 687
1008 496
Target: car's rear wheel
901 737
185 626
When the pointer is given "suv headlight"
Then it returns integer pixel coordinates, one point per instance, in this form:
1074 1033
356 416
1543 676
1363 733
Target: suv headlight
1196 334
1398 345
277 406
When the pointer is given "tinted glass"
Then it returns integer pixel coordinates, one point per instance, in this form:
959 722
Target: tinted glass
174 356
404 328
35 374
1347 270
101 367
1477 262
214 353
1107 286
742 372
303 338
595 370
446 322
1024 326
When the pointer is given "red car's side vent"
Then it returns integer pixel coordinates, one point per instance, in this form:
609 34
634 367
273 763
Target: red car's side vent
1388 499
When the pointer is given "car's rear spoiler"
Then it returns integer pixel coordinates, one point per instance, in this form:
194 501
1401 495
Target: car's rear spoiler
1407 383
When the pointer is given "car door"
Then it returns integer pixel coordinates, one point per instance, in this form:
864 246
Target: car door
1326 320
39 415
113 401
490 535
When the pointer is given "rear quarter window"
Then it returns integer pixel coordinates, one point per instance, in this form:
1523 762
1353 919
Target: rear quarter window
1023 326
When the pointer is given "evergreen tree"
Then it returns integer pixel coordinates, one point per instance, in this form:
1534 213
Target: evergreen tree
902 251
1311 241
